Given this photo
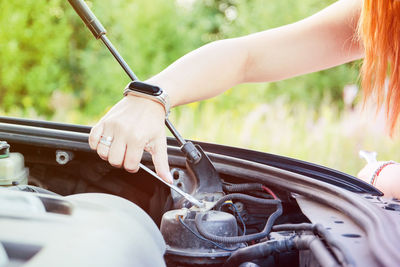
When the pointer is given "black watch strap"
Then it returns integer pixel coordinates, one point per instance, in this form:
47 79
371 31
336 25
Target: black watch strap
149 91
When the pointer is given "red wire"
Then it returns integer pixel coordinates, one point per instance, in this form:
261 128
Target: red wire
269 191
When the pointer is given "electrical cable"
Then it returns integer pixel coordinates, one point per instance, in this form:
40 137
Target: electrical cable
242 187
260 250
261 194
203 238
238 214
245 238
269 191
248 187
246 198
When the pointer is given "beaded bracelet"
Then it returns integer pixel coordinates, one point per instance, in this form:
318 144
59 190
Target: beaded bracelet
379 169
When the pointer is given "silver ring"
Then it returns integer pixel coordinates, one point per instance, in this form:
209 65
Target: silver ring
148 147
106 140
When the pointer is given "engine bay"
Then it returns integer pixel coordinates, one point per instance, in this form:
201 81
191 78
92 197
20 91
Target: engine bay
67 207
261 224
260 209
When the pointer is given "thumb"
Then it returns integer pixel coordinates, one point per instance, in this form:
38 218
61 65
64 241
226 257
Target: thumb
160 159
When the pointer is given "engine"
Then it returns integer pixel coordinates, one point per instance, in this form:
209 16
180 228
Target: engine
243 223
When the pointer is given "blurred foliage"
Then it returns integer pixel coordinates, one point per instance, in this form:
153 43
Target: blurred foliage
52 67
45 49
324 136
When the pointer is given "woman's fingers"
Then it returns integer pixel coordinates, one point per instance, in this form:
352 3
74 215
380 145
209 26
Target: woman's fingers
121 135
159 155
106 140
116 154
95 135
133 156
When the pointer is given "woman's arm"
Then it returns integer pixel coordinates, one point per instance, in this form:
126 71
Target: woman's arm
323 40
387 180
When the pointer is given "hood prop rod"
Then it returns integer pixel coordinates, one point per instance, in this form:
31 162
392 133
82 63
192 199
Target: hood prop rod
197 161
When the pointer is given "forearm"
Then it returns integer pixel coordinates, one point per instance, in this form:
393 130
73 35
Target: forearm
323 40
326 39
205 72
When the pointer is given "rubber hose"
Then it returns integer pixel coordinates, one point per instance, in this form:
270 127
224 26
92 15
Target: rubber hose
254 189
261 250
317 248
265 249
245 238
242 187
319 230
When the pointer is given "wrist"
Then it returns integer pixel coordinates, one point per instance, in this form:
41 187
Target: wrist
145 104
378 171
149 91
167 86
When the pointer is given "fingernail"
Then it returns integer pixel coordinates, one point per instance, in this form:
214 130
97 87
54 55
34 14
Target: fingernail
169 177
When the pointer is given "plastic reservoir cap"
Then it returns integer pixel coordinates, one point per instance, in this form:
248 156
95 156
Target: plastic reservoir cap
12 167
4 149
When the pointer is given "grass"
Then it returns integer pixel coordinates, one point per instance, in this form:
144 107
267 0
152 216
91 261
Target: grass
326 136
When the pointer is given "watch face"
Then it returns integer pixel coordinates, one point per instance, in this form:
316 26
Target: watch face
145 88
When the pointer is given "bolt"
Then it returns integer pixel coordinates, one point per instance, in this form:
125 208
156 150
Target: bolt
63 157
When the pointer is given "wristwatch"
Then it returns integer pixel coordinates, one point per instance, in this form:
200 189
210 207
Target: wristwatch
149 91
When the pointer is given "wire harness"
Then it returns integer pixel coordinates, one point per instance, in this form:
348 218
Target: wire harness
245 238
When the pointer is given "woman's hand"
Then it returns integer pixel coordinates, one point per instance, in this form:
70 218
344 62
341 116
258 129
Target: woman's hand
134 124
366 173
388 179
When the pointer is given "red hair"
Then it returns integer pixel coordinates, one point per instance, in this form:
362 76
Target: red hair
379 29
